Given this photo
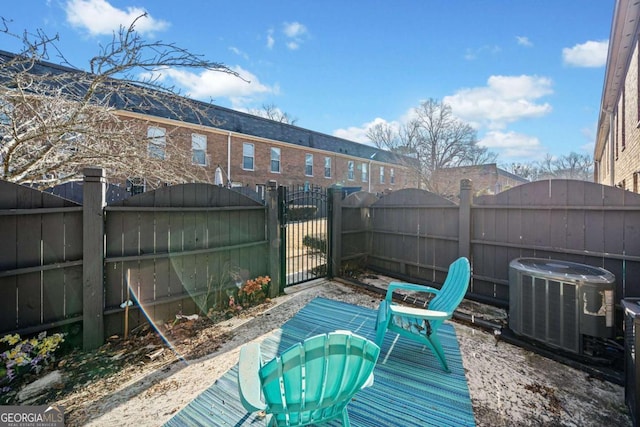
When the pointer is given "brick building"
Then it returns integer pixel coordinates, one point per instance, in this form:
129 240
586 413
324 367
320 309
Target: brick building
252 150
248 150
617 150
486 179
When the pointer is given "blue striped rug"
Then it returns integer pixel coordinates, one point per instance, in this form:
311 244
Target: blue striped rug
410 388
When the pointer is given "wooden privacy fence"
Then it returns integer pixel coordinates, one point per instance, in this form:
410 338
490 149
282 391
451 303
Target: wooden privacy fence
558 219
414 234
411 234
174 250
40 260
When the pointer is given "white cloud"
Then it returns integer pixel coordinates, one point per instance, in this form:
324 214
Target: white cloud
589 148
294 29
472 54
353 133
513 146
270 40
589 134
588 54
296 33
359 133
524 41
238 52
504 100
99 17
214 84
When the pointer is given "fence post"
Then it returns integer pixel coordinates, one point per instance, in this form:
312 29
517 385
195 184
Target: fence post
334 258
93 202
464 223
273 236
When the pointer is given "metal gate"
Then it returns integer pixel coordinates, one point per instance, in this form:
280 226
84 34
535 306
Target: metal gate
304 230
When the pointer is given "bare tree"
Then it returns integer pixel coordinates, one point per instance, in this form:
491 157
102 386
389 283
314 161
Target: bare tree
569 166
574 166
546 168
443 140
478 155
399 140
436 138
55 120
526 170
271 112
384 136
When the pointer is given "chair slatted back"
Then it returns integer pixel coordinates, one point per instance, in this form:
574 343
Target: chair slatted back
314 380
454 287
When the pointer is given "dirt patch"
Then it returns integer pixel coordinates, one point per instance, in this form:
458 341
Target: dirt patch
120 384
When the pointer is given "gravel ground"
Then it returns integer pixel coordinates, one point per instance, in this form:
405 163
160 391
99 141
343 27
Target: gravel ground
509 386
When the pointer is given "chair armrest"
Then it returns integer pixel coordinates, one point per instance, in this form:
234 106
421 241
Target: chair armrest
382 317
421 313
409 287
368 383
249 384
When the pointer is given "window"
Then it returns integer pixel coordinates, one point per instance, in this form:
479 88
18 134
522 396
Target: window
327 167
135 186
198 149
381 174
392 176
157 142
260 189
365 172
275 160
350 170
247 156
308 164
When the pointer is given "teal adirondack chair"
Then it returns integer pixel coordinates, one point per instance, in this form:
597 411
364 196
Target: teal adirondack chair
422 324
310 382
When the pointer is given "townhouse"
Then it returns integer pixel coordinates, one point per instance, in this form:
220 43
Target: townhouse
237 149
617 149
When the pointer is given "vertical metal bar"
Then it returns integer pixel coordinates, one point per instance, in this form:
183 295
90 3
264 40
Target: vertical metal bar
308 225
296 248
304 231
282 219
302 263
329 224
634 369
327 233
300 249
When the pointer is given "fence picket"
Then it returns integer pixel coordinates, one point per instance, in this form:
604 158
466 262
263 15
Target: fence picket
177 239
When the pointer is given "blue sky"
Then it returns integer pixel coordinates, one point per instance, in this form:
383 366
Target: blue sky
527 74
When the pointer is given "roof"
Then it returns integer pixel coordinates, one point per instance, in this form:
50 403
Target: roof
510 175
237 121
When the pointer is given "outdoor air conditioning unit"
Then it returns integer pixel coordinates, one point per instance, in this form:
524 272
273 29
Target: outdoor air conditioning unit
561 304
